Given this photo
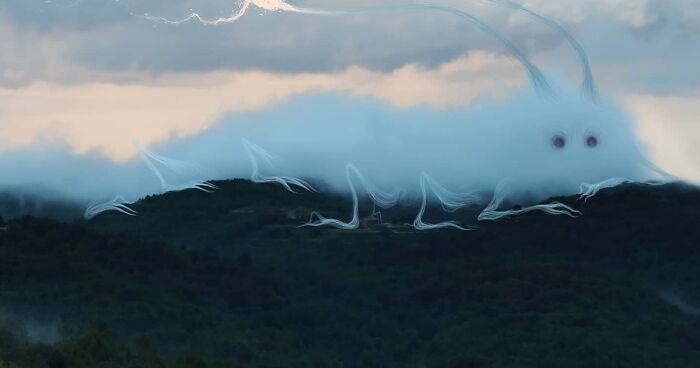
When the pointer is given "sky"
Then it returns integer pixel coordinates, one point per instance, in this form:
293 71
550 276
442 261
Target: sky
93 76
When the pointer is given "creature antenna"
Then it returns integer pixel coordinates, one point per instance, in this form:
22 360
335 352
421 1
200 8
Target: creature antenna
588 85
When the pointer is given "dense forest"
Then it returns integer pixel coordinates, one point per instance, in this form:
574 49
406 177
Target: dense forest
228 279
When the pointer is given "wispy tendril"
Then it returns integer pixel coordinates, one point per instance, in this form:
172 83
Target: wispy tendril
118 204
380 198
176 166
256 152
492 212
449 201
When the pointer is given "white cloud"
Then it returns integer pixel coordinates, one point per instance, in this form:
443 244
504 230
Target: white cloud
671 126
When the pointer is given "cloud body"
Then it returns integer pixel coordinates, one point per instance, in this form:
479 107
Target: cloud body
317 135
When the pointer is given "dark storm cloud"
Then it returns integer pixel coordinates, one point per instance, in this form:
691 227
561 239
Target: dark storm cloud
275 42
48 15
105 34
78 40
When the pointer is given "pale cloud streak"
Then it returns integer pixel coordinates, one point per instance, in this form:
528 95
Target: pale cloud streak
107 117
672 127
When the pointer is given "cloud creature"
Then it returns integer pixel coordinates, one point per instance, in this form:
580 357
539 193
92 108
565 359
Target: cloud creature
522 150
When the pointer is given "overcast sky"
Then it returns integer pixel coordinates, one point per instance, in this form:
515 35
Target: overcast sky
96 74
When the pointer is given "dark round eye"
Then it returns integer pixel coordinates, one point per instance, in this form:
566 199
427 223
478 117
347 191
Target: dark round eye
559 141
592 141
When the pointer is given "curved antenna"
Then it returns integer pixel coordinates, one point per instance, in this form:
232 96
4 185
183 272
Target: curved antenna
588 85
537 79
491 212
254 152
449 201
118 204
379 198
176 166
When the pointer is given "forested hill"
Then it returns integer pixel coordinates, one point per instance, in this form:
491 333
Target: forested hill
227 279
16 203
621 220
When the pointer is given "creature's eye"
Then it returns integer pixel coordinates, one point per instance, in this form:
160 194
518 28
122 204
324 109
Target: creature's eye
592 141
559 141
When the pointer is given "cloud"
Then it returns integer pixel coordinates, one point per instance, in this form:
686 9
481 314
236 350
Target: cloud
77 40
277 42
50 15
672 127
109 116
73 41
26 52
635 14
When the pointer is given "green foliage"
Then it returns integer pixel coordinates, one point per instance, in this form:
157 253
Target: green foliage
228 280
